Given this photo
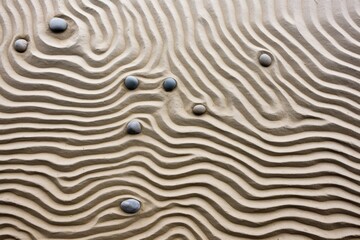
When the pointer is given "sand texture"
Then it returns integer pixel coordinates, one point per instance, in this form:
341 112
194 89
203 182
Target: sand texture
270 152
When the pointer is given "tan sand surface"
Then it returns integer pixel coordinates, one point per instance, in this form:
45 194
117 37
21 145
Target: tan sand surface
276 155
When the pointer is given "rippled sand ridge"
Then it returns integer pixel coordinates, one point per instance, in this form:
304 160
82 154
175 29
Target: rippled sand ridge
258 137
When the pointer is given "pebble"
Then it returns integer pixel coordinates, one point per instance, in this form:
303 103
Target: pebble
199 109
131 82
265 59
58 25
169 84
130 205
21 45
134 127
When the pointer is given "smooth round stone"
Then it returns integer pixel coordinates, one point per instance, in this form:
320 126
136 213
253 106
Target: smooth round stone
199 109
130 205
58 25
131 82
169 84
21 45
134 127
265 59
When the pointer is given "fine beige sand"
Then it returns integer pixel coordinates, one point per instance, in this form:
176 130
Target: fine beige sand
276 156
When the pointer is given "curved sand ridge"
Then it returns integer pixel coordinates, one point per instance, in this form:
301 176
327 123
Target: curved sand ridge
276 155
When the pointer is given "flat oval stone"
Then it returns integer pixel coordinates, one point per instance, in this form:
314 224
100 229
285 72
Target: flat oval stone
21 45
130 205
134 127
265 59
58 25
131 82
199 109
169 84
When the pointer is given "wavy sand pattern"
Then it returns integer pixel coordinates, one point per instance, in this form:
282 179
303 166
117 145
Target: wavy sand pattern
277 155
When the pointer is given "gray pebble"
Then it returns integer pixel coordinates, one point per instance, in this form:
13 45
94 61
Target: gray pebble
134 127
21 45
199 109
265 59
169 84
58 25
131 82
130 205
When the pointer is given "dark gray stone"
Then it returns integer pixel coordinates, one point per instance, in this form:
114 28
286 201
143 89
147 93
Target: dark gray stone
199 109
131 82
134 127
20 45
58 25
169 84
130 205
265 59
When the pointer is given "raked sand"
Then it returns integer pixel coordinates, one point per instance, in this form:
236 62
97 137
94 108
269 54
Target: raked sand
276 155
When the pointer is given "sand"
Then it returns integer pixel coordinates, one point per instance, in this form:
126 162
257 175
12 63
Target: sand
276 155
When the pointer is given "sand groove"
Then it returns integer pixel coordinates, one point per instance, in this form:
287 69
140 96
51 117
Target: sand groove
276 156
